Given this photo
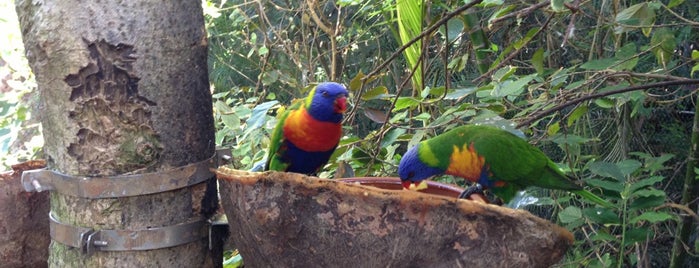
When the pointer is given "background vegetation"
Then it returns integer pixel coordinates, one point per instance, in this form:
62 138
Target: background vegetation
601 86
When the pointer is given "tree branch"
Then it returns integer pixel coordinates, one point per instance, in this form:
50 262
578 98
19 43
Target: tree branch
561 106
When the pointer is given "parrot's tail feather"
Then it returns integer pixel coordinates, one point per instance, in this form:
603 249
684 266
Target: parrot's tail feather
594 198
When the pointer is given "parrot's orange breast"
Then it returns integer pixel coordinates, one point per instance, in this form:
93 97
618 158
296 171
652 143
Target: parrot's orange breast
309 134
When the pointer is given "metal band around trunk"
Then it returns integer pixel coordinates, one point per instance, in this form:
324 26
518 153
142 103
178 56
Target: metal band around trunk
90 240
121 185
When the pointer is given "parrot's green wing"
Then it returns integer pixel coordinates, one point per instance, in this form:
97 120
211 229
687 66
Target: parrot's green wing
274 162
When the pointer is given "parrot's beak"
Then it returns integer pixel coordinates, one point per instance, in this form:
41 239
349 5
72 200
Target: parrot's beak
415 186
341 104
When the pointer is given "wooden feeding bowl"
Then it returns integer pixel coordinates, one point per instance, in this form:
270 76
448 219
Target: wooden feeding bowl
290 220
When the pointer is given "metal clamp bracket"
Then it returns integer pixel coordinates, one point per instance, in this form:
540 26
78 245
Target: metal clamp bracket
90 240
122 185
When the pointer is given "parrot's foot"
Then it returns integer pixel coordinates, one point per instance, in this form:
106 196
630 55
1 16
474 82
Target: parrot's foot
473 189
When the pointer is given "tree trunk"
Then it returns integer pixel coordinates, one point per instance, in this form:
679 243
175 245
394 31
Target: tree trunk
682 245
123 89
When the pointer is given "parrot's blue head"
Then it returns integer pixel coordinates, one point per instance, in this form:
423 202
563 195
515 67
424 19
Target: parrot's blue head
328 102
412 170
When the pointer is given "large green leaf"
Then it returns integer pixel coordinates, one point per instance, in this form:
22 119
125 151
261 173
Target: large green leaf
651 217
259 114
637 15
570 214
410 14
606 169
663 45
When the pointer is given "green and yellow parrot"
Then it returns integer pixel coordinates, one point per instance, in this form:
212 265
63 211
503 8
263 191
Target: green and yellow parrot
494 158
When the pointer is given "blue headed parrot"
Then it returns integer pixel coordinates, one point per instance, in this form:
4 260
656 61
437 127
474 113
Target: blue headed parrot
308 132
489 156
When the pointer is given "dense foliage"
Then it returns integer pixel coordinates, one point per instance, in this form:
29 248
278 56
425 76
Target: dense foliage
576 77
601 86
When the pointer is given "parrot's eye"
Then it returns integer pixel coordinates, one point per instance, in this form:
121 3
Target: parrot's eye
324 93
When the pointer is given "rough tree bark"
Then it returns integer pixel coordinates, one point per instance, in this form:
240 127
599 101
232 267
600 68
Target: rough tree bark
290 220
123 90
24 230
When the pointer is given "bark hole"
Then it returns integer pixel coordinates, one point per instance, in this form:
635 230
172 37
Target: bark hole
112 117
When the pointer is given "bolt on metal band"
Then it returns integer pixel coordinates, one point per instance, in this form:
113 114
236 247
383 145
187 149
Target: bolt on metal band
90 240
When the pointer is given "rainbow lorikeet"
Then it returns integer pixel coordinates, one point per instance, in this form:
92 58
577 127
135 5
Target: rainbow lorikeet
494 158
308 132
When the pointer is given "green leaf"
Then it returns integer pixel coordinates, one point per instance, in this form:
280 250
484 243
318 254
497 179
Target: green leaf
635 235
270 77
602 215
606 169
356 82
512 88
231 121
375 93
649 193
637 15
651 217
570 214
647 202
423 116
460 93
222 107
502 11
557 5
455 27
259 114
663 45
409 17
458 64
626 58
605 103
576 114
405 102
602 235
490 3
645 183
263 51
655 164
504 73
553 129
674 3
398 116
526 39
538 61
628 166
607 185
220 95
391 136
